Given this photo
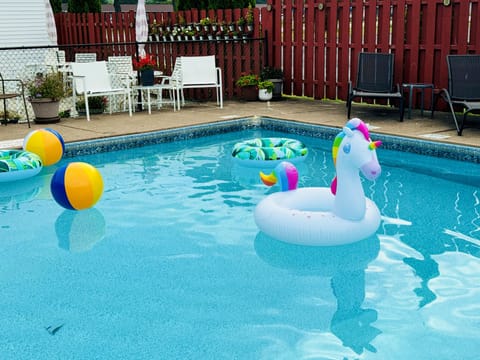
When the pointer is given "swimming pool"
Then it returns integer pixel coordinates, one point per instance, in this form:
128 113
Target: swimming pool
170 265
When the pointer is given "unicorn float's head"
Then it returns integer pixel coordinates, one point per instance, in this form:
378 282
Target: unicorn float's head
285 173
353 150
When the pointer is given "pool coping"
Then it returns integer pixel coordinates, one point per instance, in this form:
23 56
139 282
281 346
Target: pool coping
390 142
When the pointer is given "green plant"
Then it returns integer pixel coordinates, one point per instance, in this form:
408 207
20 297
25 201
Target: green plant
247 80
249 16
267 85
84 6
269 72
12 116
205 21
56 6
48 85
94 102
153 28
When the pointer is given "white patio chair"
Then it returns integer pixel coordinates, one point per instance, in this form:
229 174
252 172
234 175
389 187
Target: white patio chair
121 67
199 72
92 79
173 84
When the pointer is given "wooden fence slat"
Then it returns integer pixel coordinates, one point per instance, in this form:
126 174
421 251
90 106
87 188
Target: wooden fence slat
309 50
319 81
331 55
288 9
343 50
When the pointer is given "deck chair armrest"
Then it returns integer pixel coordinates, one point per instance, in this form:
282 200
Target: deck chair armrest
219 74
76 78
445 95
13 80
19 82
124 75
165 79
124 78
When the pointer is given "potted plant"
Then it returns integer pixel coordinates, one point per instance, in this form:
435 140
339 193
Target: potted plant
265 89
248 84
153 31
12 117
145 66
241 23
275 75
206 22
46 91
97 105
249 18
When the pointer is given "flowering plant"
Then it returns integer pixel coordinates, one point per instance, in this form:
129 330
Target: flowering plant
248 80
47 86
146 62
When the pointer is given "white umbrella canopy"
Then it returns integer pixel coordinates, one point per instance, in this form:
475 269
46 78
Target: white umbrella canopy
50 20
141 26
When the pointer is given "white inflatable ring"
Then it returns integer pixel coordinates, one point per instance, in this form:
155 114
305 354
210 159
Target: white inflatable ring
303 216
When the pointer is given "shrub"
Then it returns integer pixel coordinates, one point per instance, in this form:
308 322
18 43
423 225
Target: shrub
248 80
94 102
269 72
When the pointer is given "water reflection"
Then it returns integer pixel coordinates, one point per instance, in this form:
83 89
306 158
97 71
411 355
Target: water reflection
346 266
79 231
14 193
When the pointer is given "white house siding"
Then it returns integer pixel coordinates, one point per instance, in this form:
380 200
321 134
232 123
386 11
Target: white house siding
23 23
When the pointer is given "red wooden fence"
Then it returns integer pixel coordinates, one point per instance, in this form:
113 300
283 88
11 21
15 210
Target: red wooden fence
315 42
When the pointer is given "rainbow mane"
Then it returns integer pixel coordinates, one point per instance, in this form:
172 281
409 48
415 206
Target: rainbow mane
353 124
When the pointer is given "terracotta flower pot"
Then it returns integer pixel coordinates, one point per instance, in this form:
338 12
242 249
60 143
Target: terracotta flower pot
249 93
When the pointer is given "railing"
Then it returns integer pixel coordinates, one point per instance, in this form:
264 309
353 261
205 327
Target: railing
233 56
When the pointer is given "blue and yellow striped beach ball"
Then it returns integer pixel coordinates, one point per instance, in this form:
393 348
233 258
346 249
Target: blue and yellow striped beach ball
77 186
47 143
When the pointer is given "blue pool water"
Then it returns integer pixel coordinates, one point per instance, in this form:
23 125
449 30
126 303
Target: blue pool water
170 264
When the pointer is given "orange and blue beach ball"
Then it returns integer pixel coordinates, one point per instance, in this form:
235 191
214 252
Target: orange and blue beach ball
47 143
77 186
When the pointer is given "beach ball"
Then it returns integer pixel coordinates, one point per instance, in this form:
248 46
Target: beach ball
77 186
47 143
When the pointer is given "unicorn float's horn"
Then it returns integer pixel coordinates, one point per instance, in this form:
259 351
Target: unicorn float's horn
285 173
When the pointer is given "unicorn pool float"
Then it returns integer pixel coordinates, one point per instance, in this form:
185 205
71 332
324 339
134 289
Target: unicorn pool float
323 216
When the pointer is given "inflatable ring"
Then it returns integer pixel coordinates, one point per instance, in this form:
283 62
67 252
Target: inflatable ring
269 151
18 165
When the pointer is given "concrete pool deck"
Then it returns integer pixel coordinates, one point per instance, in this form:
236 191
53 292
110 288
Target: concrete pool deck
382 119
